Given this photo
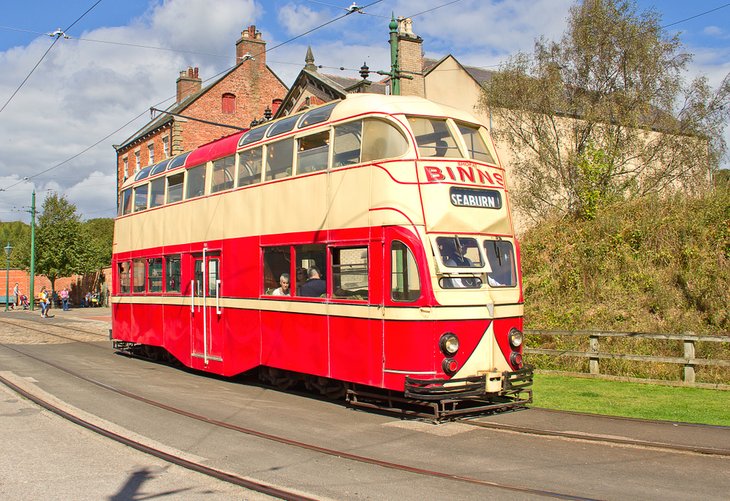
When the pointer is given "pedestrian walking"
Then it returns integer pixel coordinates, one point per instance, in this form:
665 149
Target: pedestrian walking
45 302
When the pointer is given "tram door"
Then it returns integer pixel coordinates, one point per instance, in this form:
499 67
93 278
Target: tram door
205 311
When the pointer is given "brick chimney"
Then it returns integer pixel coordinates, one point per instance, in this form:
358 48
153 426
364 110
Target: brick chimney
188 83
410 59
251 48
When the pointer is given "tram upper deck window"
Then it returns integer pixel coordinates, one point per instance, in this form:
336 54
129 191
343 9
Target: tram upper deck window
140 197
253 135
249 167
347 142
143 173
475 145
160 167
281 126
317 116
279 156
196 182
157 192
501 258
223 172
313 152
350 273
381 140
175 187
126 205
177 161
434 138
405 283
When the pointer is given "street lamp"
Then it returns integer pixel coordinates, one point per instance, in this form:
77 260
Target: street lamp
8 250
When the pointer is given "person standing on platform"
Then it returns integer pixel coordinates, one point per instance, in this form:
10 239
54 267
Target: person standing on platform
64 298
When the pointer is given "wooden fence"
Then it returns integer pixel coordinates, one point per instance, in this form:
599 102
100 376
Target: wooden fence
594 354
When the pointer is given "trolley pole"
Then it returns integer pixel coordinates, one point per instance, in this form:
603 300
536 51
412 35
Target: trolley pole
31 293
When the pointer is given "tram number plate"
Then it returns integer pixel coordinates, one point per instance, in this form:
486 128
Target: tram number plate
468 197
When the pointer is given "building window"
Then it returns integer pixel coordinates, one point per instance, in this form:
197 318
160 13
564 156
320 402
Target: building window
228 103
136 161
151 153
166 146
125 166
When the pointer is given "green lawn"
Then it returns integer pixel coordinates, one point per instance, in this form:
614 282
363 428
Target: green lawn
647 401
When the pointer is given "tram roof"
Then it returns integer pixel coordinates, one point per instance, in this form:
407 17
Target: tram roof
355 104
215 149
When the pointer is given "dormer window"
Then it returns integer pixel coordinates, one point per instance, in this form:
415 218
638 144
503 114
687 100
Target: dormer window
228 103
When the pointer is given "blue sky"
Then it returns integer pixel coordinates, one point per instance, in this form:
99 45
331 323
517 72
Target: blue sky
124 56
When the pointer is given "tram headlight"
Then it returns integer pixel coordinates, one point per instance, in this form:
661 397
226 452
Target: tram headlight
515 338
449 344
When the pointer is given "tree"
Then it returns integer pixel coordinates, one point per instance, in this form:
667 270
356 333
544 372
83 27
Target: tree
57 239
95 250
605 112
17 234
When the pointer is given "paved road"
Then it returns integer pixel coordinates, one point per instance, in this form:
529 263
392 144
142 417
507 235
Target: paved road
45 457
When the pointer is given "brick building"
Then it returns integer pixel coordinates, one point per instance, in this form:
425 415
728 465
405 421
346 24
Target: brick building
237 97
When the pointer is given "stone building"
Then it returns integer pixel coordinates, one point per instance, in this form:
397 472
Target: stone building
237 97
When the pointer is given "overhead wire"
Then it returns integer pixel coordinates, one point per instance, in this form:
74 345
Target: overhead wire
172 97
696 16
57 35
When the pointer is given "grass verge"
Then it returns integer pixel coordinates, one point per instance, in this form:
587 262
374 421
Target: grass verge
638 400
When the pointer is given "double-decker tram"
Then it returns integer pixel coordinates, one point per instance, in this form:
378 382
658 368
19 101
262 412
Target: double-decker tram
364 247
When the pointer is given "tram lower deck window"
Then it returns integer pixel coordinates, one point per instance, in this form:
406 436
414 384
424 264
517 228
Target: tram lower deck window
123 270
172 273
350 273
138 276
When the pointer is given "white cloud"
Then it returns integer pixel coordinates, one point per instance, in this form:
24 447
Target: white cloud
297 18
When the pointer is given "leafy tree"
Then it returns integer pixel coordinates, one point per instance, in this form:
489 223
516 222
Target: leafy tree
57 239
17 234
95 250
605 111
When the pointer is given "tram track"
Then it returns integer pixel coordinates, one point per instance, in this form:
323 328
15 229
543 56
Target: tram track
587 437
234 479
474 422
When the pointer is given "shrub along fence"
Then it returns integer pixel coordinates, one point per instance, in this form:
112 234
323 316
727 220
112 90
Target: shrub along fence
633 354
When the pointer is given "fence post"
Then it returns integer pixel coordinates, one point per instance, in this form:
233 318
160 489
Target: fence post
689 354
593 361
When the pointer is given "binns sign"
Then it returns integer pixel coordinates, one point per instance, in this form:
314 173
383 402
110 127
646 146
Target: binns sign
466 173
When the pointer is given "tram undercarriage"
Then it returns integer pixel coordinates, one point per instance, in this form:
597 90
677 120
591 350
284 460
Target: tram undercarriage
432 399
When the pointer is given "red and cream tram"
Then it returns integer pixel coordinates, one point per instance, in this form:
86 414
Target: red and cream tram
388 218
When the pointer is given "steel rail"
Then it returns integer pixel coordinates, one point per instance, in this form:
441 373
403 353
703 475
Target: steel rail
302 445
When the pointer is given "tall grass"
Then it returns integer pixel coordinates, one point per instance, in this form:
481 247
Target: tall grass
648 265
